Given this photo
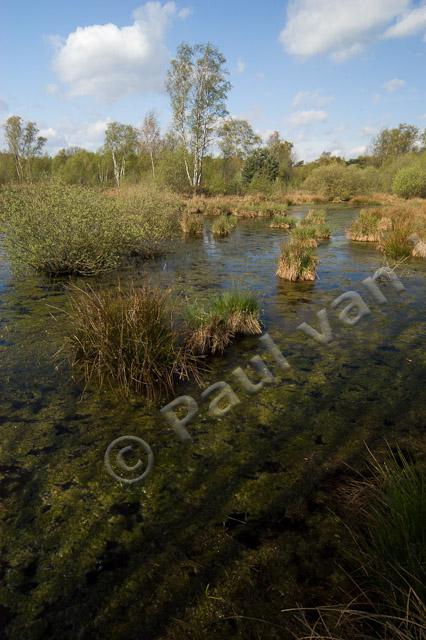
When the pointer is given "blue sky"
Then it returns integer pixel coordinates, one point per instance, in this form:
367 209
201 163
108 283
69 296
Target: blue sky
327 74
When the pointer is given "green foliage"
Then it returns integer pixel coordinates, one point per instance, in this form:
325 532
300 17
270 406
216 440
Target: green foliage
391 143
125 339
410 182
237 138
62 229
198 88
335 181
262 165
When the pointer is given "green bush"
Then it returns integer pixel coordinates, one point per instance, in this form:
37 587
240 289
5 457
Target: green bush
62 229
410 182
335 181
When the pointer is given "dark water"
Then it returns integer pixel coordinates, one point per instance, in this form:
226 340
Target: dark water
234 525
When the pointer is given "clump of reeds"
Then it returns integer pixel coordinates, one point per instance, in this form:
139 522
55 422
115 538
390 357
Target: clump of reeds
366 228
192 224
419 246
396 243
282 222
305 234
223 225
390 557
297 261
125 340
214 324
315 216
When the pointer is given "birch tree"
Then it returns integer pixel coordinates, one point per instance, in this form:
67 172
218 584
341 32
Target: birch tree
197 86
150 137
23 143
237 138
121 141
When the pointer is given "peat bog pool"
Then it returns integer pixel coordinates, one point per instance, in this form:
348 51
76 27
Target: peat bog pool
239 522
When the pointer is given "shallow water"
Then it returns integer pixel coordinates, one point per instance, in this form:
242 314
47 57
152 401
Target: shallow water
232 523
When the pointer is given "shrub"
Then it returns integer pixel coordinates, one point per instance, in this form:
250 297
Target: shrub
149 219
215 323
334 181
297 262
223 225
62 229
366 227
124 339
410 182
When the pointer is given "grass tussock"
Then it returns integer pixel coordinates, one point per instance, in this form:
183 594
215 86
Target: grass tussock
192 224
315 216
397 243
305 234
223 225
283 222
60 229
297 261
366 227
215 324
389 555
125 340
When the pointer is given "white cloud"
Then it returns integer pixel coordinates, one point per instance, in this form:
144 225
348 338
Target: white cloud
3 105
408 24
338 28
358 151
89 135
312 99
304 118
393 85
108 61
241 66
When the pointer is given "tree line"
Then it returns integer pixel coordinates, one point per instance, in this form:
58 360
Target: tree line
205 149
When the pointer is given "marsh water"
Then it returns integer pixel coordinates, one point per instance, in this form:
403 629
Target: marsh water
235 525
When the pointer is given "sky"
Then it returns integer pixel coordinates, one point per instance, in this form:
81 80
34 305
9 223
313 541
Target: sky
327 74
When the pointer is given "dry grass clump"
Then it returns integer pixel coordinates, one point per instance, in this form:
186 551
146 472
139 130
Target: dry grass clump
297 261
215 324
125 340
315 216
366 227
419 250
196 205
223 225
192 224
283 222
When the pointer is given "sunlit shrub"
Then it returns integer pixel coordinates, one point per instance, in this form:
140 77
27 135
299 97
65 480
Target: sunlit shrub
410 182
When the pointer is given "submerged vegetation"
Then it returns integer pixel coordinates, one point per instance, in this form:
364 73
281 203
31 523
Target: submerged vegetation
215 323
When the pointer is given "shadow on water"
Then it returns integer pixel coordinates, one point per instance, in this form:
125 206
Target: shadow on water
238 521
